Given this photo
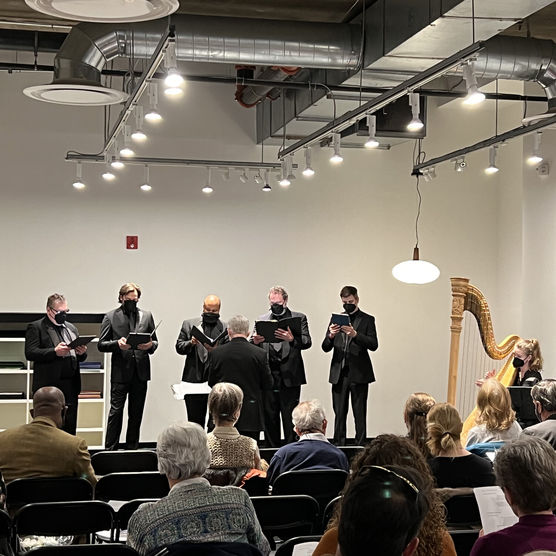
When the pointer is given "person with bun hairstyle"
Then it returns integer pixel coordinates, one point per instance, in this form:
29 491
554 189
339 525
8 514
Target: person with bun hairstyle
452 465
528 362
415 413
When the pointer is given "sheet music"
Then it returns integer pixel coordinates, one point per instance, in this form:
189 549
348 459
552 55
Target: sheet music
495 512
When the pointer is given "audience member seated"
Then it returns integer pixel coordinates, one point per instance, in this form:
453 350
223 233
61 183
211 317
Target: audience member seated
382 511
40 448
415 414
495 418
452 465
526 471
312 450
528 362
193 510
385 450
544 400
232 455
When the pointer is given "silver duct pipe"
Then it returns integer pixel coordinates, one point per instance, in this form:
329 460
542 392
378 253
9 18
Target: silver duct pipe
88 47
520 58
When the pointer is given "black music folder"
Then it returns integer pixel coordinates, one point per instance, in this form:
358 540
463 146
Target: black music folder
81 341
267 328
204 339
136 338
341 319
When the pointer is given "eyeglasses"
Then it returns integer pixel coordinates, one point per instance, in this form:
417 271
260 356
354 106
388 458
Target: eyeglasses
414 489
57 311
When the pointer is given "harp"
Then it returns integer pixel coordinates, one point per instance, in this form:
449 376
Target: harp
465 369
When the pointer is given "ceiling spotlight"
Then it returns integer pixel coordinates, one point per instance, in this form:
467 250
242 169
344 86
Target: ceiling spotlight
146 186
371 142
266 187
536 156
460 164
108 175
491 168
308 172
474 96
337 157
78 183
116 163
208 187
243 177
139 135
127 150
415 124
429 173
289 168
226 174
173 82
284 181
258 177
153 115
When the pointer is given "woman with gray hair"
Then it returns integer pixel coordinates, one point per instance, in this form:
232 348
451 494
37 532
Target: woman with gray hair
193 510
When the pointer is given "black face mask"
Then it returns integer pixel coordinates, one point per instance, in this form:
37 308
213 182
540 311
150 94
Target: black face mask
349 307
60 317
129 305
277 309
518 363
210 318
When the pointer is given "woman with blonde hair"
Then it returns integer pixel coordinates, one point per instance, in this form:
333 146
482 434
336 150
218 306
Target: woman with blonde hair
528 362
495 419
415 413
452 465
389 449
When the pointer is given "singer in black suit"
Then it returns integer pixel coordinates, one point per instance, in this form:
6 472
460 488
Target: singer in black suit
245 365
130 368
54 364
351 370
196 355
286 366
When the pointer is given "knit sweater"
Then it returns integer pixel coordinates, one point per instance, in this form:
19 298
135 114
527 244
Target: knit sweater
228 449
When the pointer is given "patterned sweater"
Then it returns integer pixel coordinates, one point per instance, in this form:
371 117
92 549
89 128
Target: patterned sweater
198 512
230 449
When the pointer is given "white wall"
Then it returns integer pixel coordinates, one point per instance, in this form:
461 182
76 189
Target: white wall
348 225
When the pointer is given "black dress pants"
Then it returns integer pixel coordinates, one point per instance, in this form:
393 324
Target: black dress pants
196 406
135 391
341 393
71 388
279 403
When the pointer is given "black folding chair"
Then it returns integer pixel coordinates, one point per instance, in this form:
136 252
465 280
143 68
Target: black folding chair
462 511
322 484
267 453
464 539
108 549
256 486
123 461
5 533
329 511
124 514
351 451
286 548
54 519
129 486
286 516
52 489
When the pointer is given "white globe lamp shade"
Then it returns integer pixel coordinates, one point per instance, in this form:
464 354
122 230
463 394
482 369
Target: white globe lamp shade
416 271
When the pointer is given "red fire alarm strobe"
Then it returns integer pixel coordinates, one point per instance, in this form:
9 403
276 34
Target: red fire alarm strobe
131 242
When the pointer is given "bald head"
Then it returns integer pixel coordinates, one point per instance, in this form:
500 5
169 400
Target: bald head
211 304
49 402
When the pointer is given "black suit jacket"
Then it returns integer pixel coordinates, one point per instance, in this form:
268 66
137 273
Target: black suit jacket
292 370
41 338
194 368
244 364
359 361
115 325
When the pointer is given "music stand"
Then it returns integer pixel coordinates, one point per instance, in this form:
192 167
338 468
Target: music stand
522 403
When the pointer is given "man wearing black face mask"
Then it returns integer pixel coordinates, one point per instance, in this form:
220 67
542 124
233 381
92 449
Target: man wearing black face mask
46 344
196 354
286 365
351 370
130 368
543 395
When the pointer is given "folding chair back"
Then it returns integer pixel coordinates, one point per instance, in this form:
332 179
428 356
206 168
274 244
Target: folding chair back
286 516
462 510
108 549
256 486
321 484
267 453
47 489
329 511
64 518
464 540
123 461
286 548
124 514
5 533
129 486
351 451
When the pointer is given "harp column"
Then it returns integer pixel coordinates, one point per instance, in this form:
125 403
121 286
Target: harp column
459 291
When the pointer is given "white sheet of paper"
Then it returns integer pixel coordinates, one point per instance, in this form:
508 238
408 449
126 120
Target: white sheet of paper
496 513
181 388
304 548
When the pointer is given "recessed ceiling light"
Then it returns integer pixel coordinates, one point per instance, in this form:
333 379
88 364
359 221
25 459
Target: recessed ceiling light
105 11
77 95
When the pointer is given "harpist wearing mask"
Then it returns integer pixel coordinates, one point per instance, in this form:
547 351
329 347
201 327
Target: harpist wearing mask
527 362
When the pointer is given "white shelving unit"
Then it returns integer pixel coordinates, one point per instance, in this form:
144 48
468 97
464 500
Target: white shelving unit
91 417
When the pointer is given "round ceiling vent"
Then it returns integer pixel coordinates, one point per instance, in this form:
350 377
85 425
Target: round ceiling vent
105 11
76 95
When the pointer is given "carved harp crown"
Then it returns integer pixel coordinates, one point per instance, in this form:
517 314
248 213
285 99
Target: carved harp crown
466 297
